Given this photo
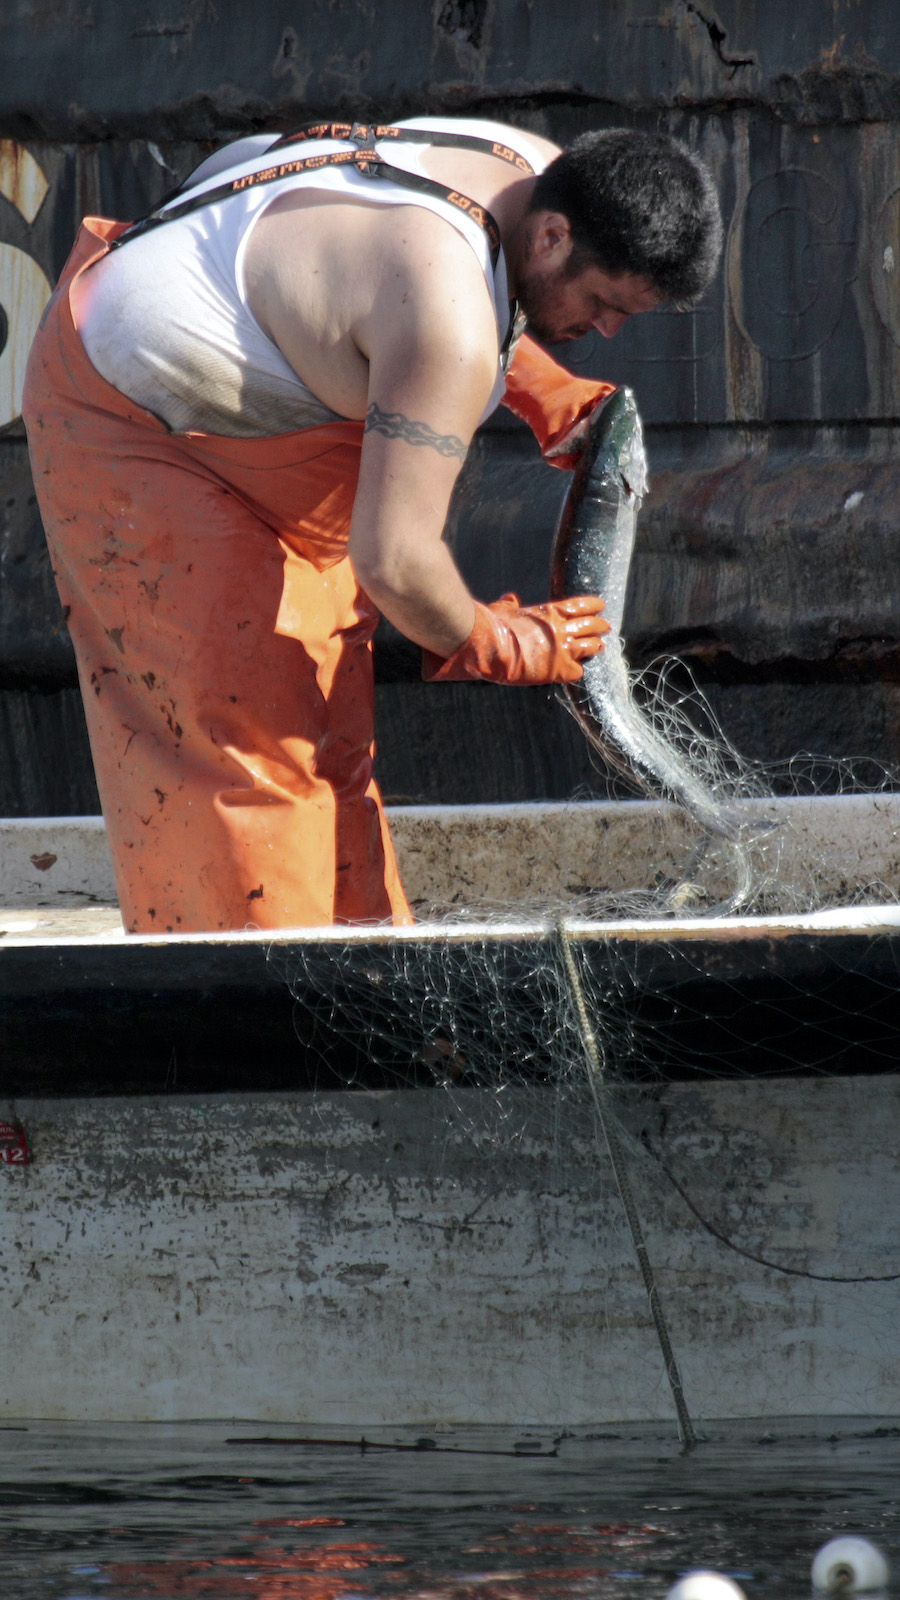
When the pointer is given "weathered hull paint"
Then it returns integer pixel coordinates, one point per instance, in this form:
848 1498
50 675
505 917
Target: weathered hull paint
418 1255
363 1258
518 856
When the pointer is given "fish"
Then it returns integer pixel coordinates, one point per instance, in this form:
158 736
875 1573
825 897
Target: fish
592 549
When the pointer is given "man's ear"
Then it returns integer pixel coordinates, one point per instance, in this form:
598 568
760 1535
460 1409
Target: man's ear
551 239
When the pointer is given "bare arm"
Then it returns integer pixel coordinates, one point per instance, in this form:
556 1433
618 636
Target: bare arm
428 384
431 343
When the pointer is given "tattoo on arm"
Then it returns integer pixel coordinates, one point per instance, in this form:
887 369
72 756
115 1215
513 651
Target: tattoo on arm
397 426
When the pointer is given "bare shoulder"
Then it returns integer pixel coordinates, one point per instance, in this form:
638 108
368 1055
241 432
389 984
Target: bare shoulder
428 287
522 140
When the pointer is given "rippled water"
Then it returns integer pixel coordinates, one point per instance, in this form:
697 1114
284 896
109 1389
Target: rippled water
207 1510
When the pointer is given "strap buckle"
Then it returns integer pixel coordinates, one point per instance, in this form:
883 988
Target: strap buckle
366 159
363 135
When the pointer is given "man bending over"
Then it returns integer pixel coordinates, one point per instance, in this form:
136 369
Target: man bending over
246 416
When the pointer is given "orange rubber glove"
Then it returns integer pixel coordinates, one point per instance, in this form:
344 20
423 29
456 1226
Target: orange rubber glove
556 405
524 644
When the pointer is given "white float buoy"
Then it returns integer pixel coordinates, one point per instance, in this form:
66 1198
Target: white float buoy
704 1585
849 1566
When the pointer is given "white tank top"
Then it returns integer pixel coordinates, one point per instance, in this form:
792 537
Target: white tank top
166 319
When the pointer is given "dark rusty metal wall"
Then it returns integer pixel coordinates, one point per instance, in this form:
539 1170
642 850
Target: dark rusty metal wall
765 551
86 69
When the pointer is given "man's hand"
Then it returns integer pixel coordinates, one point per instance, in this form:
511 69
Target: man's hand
516 644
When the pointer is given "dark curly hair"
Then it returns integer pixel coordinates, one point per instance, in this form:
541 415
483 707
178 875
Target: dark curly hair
638 203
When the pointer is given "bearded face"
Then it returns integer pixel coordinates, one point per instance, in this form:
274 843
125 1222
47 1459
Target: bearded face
565 302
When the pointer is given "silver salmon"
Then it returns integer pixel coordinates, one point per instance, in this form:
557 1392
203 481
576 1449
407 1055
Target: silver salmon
592 555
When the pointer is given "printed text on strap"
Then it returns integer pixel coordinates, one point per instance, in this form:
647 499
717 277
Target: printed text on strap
366 160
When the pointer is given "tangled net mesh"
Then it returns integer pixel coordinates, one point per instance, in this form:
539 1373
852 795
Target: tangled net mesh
553 1020
479 996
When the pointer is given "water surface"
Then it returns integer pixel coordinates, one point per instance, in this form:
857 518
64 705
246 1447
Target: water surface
208 1510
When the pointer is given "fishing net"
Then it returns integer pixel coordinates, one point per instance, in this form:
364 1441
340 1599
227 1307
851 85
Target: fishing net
782 863
560 1020
484 999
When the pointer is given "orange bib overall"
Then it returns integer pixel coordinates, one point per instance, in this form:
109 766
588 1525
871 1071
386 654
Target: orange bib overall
224 645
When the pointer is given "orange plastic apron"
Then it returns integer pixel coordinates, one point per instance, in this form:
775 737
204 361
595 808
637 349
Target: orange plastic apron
224 650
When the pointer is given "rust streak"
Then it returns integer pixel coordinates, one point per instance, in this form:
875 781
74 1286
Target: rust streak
22 180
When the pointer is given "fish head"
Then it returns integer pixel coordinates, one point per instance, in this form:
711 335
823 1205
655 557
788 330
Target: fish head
616 443
595 532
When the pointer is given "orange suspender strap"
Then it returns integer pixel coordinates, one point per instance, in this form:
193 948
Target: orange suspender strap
363 157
